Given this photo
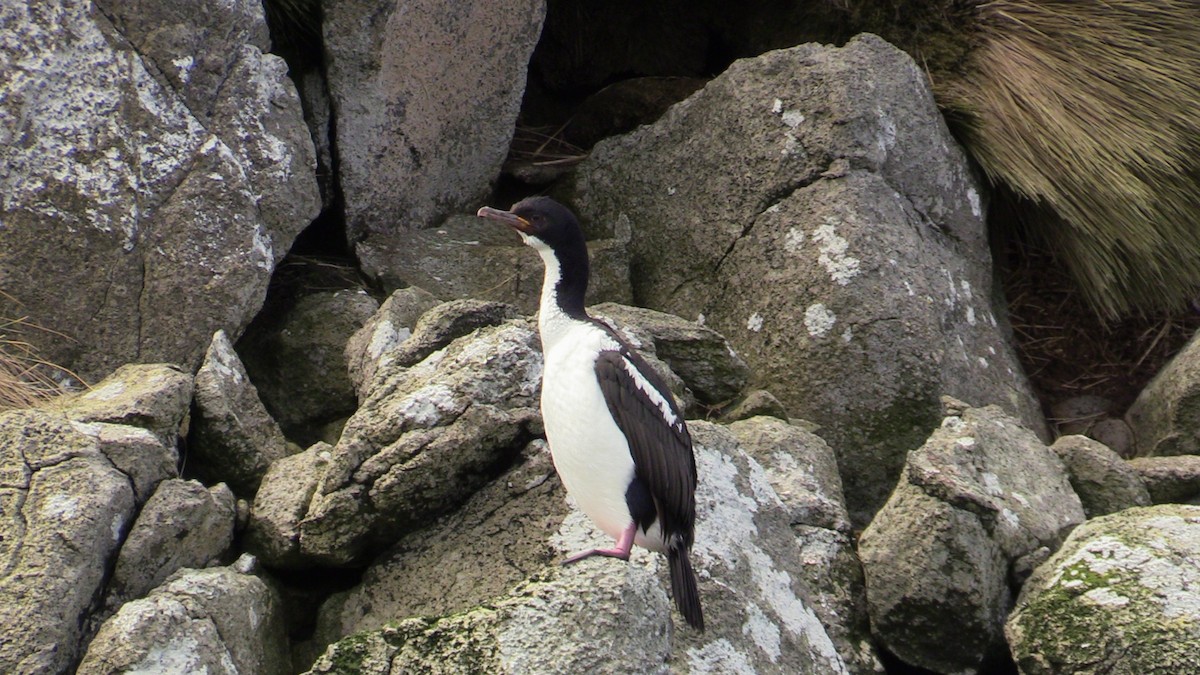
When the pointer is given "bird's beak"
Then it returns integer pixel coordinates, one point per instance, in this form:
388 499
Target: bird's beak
508 218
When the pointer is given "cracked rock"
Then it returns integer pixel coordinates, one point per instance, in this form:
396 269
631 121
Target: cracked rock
846 259
64 509
422 440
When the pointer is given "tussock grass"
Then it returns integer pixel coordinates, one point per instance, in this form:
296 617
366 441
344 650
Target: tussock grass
25 379
1091 110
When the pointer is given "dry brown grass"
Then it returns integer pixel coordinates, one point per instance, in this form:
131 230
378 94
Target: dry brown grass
1092 109
24 378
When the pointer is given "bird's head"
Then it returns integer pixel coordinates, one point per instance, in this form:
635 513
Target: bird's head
540 220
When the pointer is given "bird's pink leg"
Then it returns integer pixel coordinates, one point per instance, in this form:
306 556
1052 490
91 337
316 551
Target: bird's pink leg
624 545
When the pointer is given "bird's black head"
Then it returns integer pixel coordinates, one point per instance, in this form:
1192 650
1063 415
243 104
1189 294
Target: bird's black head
550 227
541 218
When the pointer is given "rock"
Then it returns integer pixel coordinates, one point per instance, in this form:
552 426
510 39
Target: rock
220 620
65 509
158 144
143 457
846 259
445 323
625 105
979 506
1165 418
469 257
700 356
803 472
299 364
273 531
154 397
421 135
491 606
1116 598
1116 434
425 437
1169 480
386 330
232 437
184 524
1078 414
758 402
1104 482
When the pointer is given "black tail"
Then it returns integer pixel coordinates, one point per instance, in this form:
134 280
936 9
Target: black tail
683 585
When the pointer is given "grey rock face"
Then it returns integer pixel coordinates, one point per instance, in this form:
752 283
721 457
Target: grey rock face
846 258
424 438
981 504
299 363
445 323
1165 418
1104 482
506 607
425 96
217 620
1116 598
1169 479
233 438
385 331
184 524
469 257
156 142
65 509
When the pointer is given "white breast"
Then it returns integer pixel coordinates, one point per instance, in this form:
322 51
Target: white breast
590 453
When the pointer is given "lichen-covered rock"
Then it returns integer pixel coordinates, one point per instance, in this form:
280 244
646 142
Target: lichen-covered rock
232 437
1169 480
1117 598
425 437
803 471
64 509
157 143
154 397
1104 482
298 362
846 259
1165 418
489 572
979 506
217 620
386 330
419 134
700 356
469 257
183 524
446 322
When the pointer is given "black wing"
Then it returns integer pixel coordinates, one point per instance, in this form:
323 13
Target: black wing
662 450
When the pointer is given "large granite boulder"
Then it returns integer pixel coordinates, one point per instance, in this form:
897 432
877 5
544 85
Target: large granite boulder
1118 598
384 332
489 575
1169 480
425 97
980 505
1165 418
218 620
156 142
811 205
232 437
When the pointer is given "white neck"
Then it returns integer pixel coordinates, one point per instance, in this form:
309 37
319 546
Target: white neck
553 323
